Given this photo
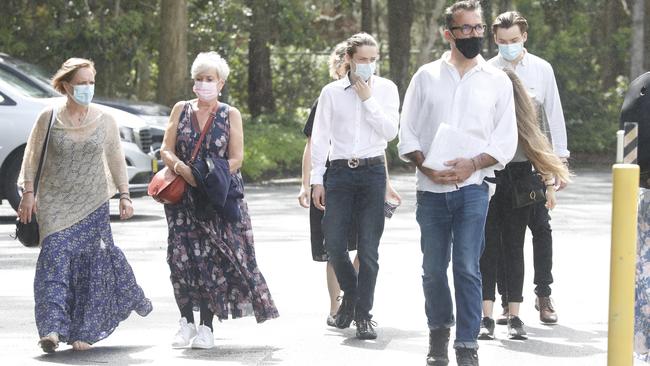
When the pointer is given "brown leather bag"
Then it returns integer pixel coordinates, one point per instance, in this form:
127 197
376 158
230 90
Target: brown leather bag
168 187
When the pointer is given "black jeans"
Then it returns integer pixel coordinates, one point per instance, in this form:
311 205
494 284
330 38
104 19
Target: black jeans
505 229
540 227
361 192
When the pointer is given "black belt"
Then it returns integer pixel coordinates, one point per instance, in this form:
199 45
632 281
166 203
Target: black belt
357 162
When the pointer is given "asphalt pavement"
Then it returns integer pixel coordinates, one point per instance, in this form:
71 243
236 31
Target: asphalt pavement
581 232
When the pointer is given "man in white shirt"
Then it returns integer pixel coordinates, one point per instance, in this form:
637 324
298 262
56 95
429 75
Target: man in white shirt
355 118
460 91
510 34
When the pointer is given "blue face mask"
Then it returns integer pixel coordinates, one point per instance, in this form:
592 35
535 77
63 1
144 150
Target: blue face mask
364 71
511 51
83 94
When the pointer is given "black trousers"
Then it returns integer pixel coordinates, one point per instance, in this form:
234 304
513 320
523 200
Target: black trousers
502 261
540 227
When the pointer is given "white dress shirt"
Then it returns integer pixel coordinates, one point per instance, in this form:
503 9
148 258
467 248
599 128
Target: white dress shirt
345 127
537 76
481 104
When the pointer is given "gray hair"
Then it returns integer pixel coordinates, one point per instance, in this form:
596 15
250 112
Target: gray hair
466 5
210 61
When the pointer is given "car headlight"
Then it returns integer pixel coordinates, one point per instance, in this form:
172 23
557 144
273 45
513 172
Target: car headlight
127 134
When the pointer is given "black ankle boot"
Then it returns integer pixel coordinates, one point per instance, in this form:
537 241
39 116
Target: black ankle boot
438 345
345 315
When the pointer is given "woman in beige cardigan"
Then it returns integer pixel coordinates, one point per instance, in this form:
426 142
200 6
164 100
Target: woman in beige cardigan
83 285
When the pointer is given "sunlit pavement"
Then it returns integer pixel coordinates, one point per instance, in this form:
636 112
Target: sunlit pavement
581 232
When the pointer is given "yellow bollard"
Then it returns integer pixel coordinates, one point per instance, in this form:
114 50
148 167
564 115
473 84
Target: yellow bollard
625 195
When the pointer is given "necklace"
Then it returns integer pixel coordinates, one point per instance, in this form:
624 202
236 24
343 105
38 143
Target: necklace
76 119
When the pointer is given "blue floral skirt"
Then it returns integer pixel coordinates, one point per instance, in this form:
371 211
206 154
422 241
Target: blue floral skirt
84 286
642 303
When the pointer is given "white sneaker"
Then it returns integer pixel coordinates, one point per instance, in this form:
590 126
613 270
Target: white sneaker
204 338
184 334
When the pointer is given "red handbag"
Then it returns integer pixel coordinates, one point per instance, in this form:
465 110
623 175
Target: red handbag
168 187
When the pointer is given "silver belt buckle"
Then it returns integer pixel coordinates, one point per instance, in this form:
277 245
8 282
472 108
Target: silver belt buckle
353 163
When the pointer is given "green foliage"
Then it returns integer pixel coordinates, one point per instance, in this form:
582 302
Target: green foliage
273 146
563 34
586 41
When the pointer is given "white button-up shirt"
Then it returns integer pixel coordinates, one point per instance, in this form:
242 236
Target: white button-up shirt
345 127
480 104
537 76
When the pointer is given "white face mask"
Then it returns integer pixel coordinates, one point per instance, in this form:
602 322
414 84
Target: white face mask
83 94
206 90
364 71
511 51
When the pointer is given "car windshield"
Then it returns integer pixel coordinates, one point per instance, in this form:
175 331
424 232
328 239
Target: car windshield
23 86
30 69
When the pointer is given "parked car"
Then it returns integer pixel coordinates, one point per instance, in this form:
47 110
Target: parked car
20 103
155 115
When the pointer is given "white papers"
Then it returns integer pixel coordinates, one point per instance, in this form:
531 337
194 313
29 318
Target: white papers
451 143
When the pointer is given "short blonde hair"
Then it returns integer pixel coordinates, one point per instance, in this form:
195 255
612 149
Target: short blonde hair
337 59
68 70
210 61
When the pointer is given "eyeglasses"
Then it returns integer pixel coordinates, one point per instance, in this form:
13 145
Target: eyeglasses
467 29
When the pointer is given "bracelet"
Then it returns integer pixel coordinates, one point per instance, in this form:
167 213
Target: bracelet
175 165
126 198
550 185
25 192
473 164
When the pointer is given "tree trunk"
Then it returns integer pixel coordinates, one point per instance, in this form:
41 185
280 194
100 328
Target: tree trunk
400 18
637 49
488 15
260 86
173 72
430 29
366 16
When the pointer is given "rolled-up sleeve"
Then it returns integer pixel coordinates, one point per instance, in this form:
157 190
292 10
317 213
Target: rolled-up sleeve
320 137
382 112
408 135
503 140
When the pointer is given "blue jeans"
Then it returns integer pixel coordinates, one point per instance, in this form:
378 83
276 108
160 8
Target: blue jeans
456 217
359 191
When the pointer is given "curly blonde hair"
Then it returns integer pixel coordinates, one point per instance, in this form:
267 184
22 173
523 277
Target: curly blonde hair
337 60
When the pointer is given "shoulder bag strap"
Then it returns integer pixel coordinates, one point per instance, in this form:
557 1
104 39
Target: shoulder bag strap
207 126
42 159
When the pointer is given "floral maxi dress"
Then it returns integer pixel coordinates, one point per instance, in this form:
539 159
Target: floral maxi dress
642 303
212 261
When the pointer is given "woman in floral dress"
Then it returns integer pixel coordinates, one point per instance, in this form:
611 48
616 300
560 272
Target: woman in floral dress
642 303
211 259
84 286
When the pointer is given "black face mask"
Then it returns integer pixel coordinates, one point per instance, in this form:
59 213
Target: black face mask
469 47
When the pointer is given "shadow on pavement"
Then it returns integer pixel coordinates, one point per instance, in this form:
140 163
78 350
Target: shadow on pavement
137 218
557 341
6 220
106 355
246 355
384 337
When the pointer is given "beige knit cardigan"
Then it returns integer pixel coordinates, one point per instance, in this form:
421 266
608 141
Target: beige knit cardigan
83 166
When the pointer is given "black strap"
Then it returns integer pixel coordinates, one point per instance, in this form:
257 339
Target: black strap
42 159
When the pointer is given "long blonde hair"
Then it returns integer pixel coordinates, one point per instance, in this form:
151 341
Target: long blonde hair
536 146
